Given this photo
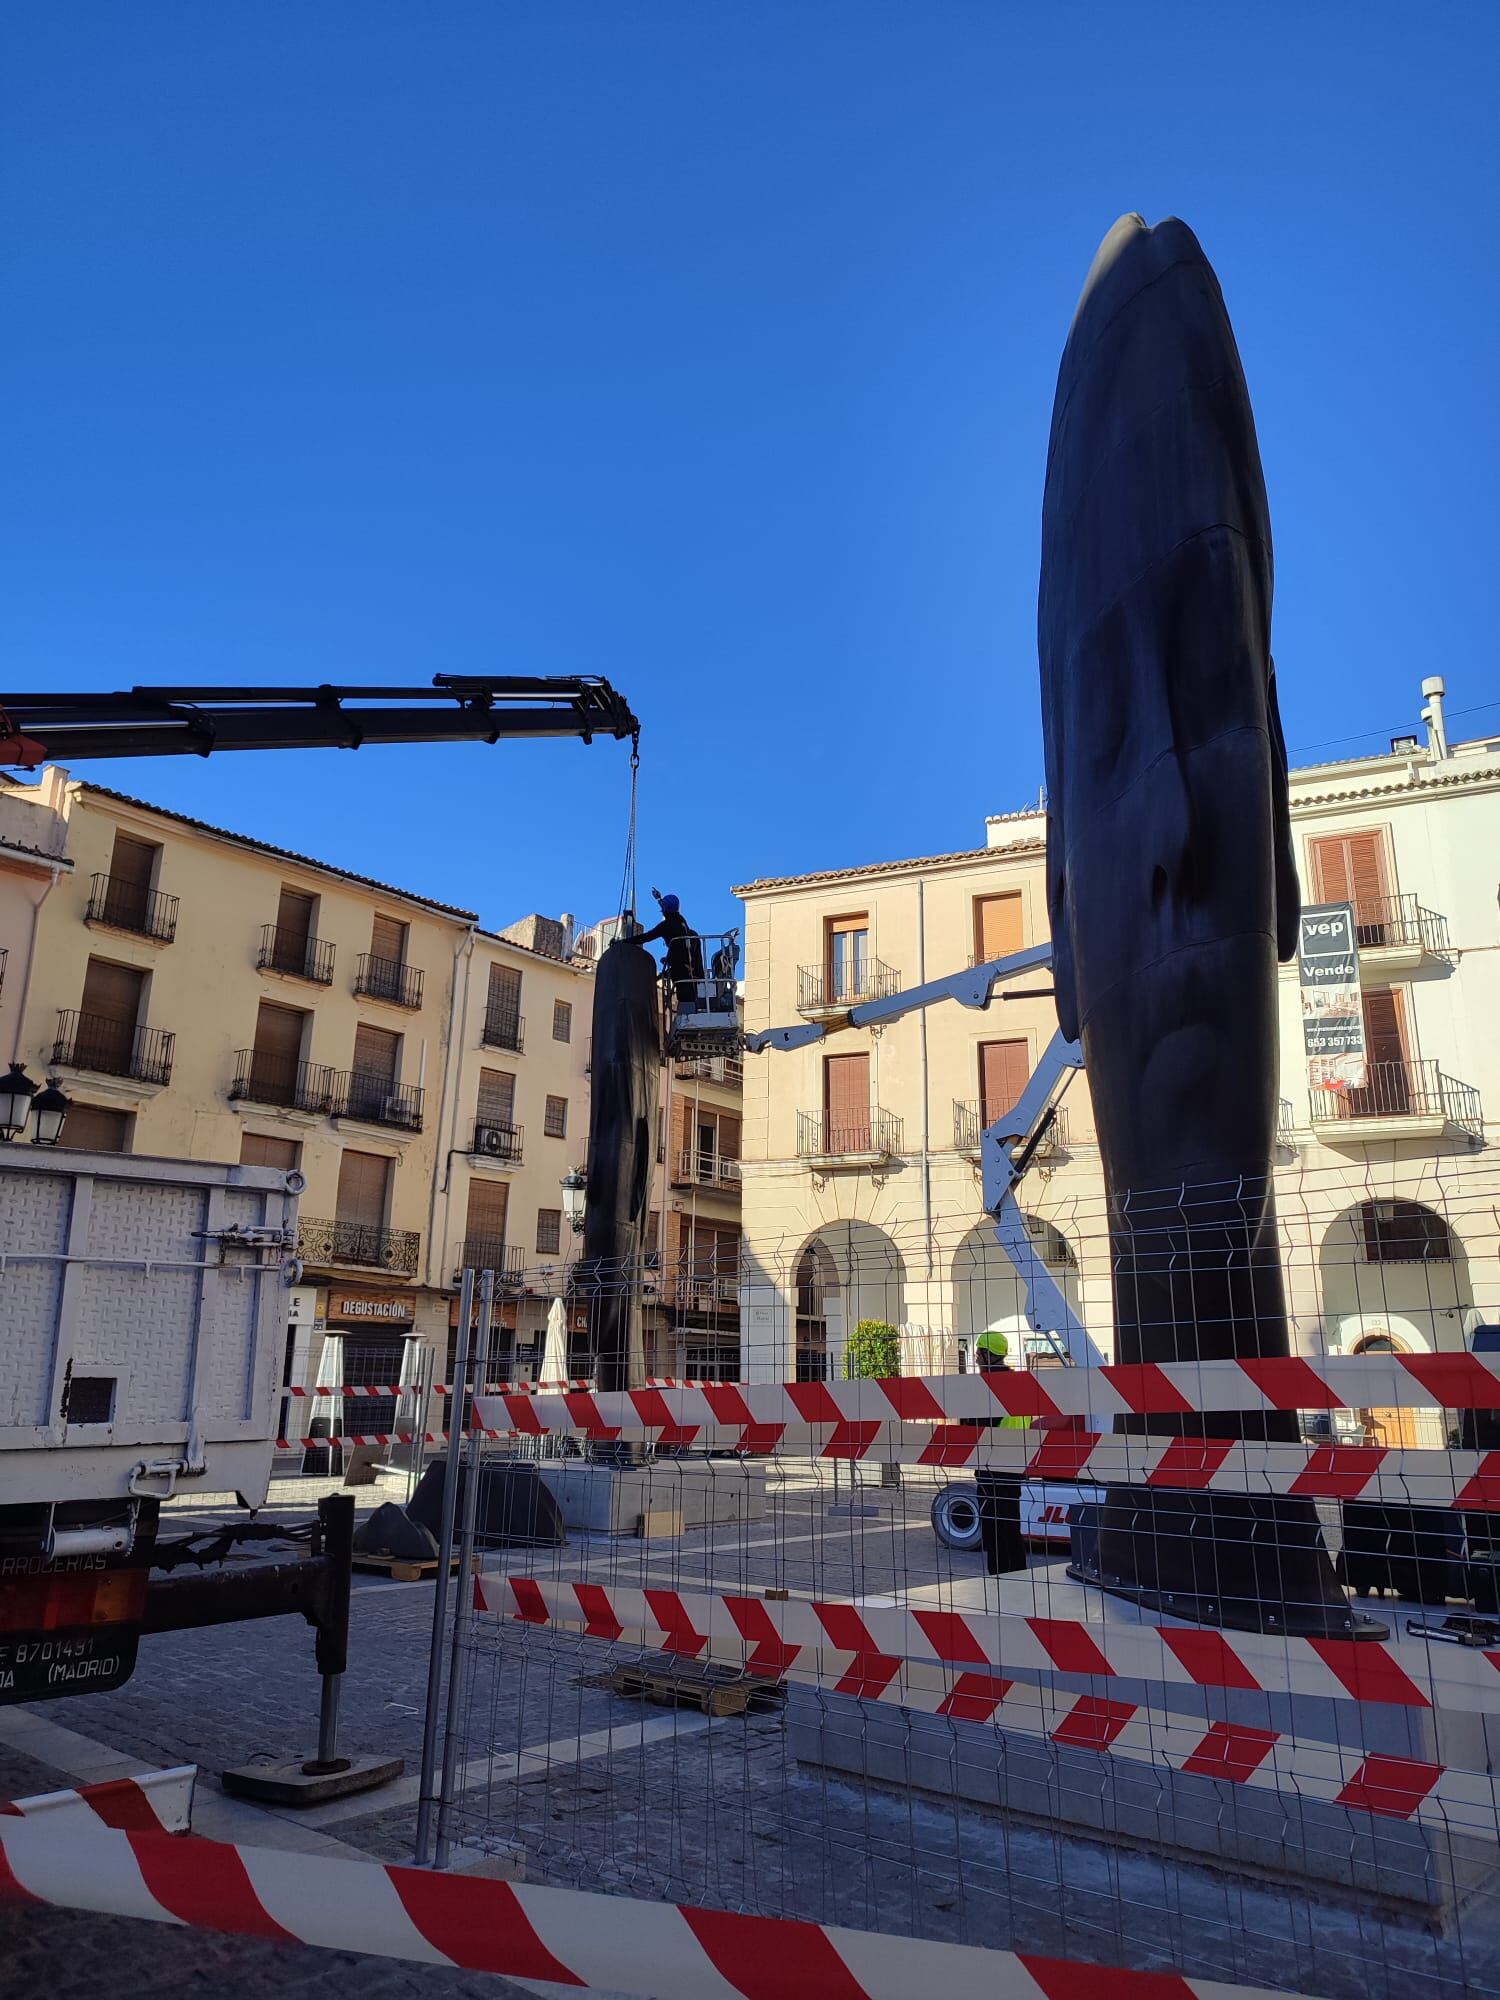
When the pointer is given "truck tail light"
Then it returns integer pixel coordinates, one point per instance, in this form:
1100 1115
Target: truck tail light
69 1602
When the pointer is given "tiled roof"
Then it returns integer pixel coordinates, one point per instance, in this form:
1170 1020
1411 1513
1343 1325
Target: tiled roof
887 867
281 853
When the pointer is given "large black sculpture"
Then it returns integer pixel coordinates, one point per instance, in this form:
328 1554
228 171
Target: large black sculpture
1172 885
625 1065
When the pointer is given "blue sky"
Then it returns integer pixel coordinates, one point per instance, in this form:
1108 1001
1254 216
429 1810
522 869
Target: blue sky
708 345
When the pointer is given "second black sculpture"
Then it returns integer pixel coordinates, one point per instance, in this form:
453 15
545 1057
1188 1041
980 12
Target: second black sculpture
1172 888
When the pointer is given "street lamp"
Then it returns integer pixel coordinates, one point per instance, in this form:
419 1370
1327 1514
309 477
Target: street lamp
16 1093
573 1184
48 1110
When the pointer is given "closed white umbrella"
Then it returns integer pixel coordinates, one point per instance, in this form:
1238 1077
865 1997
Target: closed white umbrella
555 1349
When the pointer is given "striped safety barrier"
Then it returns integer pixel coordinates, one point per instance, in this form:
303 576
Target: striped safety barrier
155 1802
1177 1388
766 1632
614 1944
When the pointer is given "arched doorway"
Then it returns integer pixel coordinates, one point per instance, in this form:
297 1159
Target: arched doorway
1385 1426
988 1292
847 1272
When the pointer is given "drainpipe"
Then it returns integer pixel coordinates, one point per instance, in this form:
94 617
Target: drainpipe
926 1130
1432 715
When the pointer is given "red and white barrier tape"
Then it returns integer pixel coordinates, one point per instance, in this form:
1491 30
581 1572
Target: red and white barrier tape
1177 1388
766 1632
381 1438
616 1944
155 1802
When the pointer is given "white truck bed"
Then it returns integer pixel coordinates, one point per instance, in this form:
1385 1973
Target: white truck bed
142 1324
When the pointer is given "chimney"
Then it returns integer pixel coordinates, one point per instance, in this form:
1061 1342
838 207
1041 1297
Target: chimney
1432 715
567 920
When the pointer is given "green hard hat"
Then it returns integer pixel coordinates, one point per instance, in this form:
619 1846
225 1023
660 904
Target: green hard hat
993 1342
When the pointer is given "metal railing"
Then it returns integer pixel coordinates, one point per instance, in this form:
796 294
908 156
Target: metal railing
728 1070
847 1137
389 979
1381 922
823 987
125 906
504 1030
377 1100
113 1048
322 1241
969 1124
263 1078
709 1291
699 1169
1403 1090
493 1141
1285 1121
283 949
492 1253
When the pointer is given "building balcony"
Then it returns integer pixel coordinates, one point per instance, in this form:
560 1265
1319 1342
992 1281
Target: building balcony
112 1048
969 1123
843 1141
376 1100
826 992
261 1078
709 1293
1395 934
496 1144
119 905
296 954
504 1031
388 979
1400 1100
1286 1130
709 1170
728 1070
493 1253
324 1243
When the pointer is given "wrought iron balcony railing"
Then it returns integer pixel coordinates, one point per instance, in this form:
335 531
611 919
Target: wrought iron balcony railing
699 1169
504 1030
377 1100
1403 1090
493 1141
846 1136
823 989
728 1070
293 952
322 1242
969 1124
704 1291
493 1253
1382 923
125 906
263 1078
389 979
113 1048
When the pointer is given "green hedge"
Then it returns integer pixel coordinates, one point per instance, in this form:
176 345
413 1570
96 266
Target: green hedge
873 1349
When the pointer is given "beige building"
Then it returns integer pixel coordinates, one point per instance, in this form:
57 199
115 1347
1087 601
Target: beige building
860 1176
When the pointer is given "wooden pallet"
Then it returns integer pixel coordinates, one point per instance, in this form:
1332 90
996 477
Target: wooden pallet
712 1690
406 1569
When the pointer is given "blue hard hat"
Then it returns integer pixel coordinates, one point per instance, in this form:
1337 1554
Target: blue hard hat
671 905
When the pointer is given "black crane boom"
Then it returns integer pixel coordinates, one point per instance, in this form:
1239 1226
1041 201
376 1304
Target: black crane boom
196 721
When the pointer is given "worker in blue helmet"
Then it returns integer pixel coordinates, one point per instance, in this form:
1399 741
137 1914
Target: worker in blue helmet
999 1496
684 964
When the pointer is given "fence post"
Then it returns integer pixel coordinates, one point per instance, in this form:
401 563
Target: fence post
456 1674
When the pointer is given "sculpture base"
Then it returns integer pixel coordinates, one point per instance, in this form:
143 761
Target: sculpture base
1243 1562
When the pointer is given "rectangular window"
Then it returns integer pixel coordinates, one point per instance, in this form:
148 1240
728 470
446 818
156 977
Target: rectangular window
548 1231
497 1097
846 1103
555 1118
502 1013
131 867
484 1231
848 957
998 927
388 940
92 1129
275 1059
562 1020
260 1149
377 1052
1388 1075
1351 868
1004 1069
364 1189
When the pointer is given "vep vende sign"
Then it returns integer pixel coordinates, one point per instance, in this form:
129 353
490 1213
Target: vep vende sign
1333 1015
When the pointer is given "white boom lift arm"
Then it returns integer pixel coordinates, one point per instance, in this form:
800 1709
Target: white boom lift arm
1006 1146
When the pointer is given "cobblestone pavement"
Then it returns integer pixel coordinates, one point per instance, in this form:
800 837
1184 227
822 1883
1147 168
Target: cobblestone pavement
597 1792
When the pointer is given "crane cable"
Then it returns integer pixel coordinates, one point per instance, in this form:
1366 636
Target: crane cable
628 879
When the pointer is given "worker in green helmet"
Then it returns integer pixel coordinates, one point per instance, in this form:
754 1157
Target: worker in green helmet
999 1497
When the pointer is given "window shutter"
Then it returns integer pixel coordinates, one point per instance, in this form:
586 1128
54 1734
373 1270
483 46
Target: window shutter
294 923
113 992
847 1102
388 940
487 1206
998 926
1004 1068
364 1179
497 1097
92 1129
260 1149
376 1052
1350 868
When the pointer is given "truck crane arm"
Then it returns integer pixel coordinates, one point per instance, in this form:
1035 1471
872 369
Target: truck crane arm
1008 1143
195 721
